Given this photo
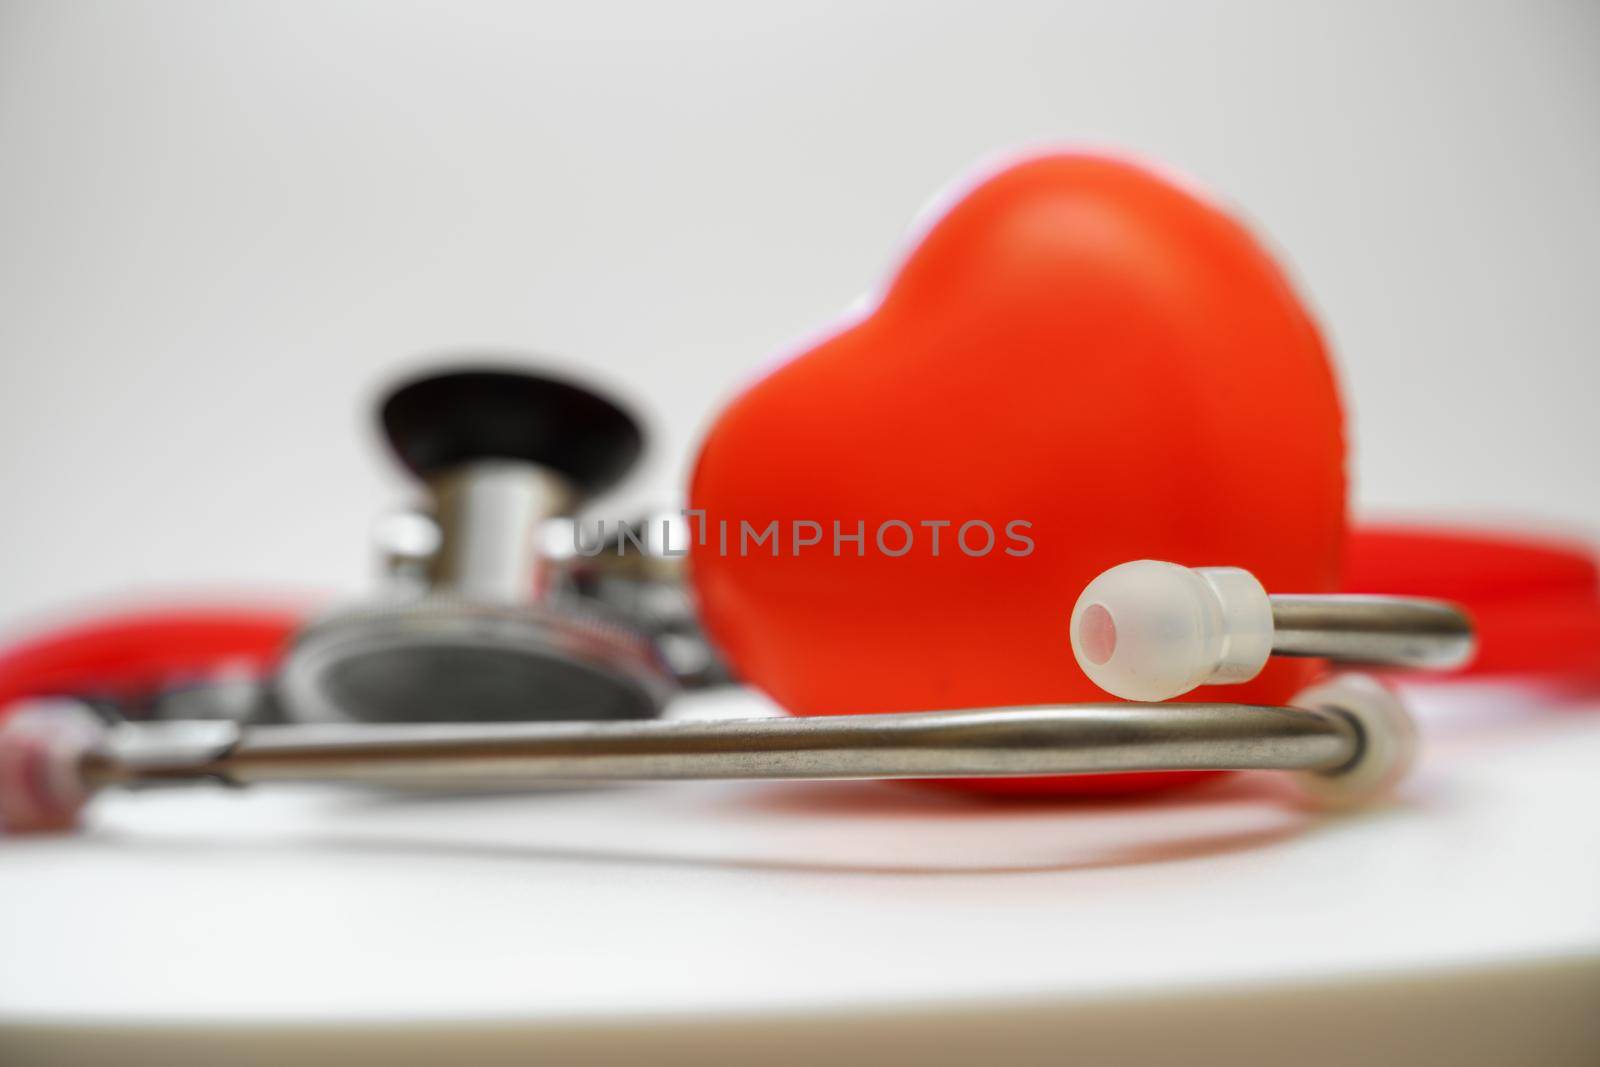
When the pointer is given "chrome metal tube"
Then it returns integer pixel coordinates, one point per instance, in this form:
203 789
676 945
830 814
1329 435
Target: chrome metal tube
990 742
1386 631
489 513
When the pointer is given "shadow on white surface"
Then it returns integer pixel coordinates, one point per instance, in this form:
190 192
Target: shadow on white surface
842 828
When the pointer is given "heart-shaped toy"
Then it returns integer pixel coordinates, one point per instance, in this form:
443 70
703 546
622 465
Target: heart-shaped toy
1080 345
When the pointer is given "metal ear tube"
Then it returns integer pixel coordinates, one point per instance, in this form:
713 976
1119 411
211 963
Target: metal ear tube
1148 630
1078 739
1348 743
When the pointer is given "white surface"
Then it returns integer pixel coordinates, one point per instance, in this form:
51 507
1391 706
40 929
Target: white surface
225 224
721 900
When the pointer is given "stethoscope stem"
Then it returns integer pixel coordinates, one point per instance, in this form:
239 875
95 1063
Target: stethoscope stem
990 742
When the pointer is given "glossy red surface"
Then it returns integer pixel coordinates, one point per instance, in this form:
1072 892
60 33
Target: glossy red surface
1079 343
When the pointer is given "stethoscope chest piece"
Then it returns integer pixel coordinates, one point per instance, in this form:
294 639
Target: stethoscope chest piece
438 658
483 628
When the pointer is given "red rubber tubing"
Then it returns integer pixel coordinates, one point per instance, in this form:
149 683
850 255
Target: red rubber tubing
132 654
1535 600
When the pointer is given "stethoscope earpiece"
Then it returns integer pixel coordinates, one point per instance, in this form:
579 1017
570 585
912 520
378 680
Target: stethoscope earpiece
1148 630
1386 741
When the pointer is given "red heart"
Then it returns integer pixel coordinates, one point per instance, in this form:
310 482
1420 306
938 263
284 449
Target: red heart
1079 344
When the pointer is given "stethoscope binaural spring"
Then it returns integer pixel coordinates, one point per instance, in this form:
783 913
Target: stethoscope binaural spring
489 660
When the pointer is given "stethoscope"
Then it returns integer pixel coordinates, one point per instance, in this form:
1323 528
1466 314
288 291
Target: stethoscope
491 658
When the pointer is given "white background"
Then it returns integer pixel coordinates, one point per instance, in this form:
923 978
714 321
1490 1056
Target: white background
223 225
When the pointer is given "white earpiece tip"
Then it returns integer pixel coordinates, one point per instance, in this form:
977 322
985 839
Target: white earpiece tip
1388 741
1151 631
